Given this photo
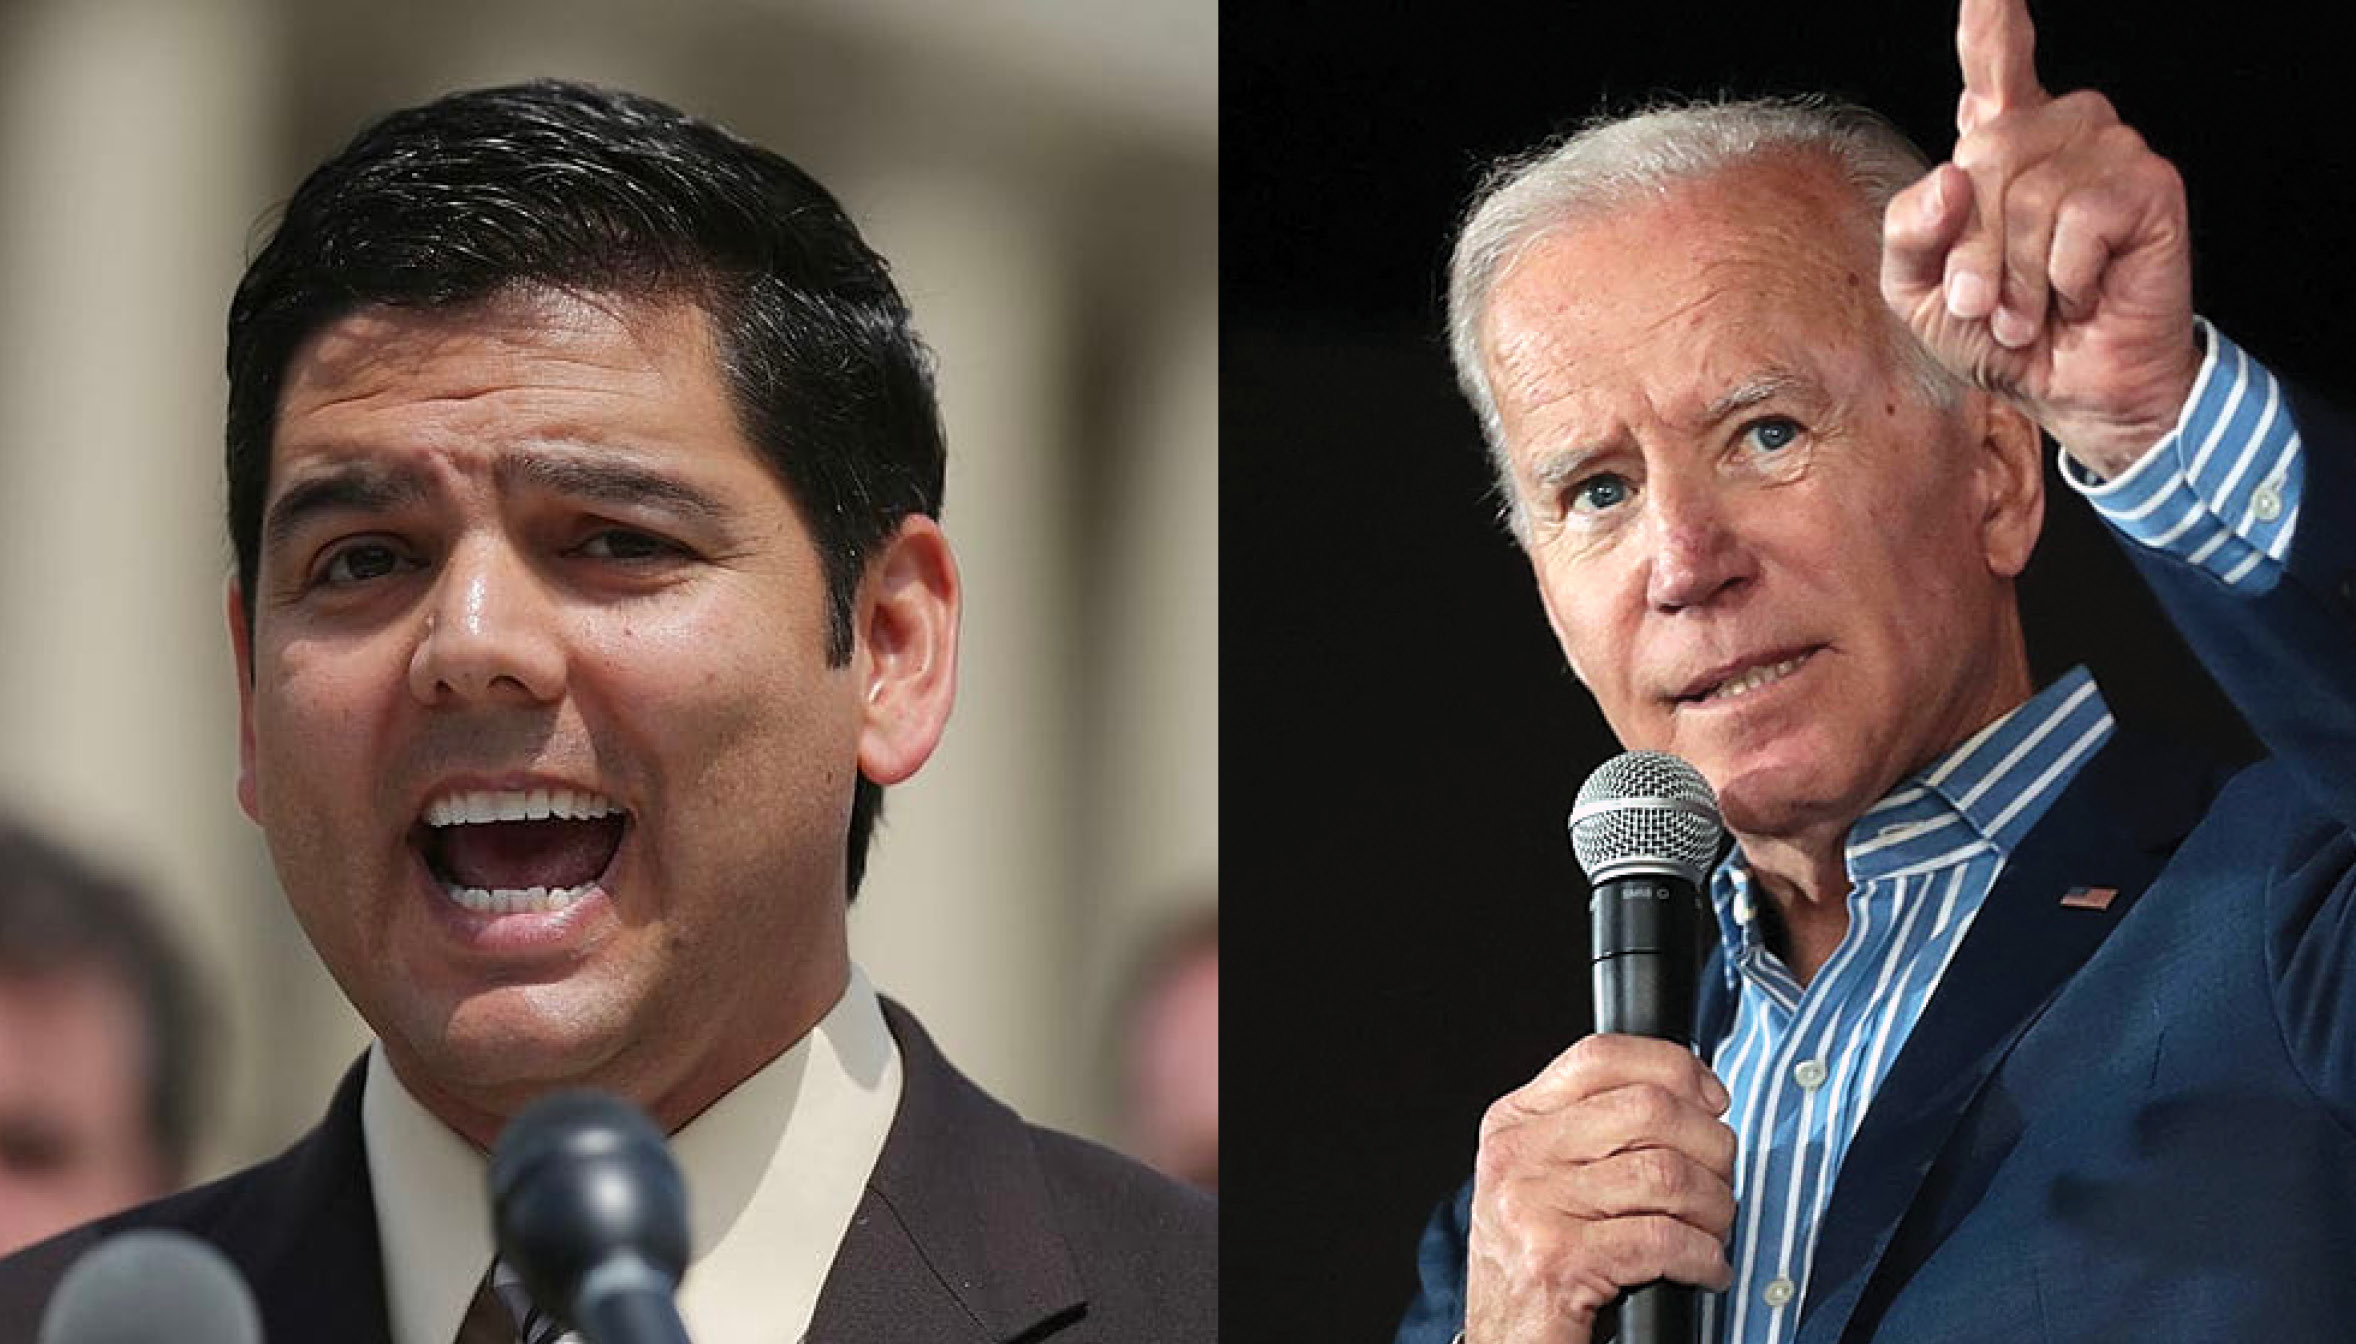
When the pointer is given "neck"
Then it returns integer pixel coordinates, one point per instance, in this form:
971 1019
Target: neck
1805 881
1802 871
673 1082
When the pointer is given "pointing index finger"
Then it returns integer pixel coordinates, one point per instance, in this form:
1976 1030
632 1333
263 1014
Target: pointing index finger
1997 46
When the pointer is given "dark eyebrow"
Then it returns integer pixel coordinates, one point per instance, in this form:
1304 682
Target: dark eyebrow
355 487
606 481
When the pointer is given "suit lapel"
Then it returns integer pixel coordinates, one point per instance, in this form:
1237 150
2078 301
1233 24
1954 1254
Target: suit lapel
2113 828
956 1238
306 1238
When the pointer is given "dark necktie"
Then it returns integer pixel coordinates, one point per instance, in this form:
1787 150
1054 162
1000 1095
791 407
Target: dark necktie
532 1325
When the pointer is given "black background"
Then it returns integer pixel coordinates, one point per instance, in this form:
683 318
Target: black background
1401 739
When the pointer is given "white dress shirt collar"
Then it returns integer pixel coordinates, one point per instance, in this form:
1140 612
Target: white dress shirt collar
774 1169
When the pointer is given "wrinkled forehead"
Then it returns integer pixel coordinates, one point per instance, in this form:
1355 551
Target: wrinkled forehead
1768 263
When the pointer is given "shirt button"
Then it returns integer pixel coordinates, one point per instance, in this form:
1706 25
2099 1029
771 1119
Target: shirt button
1808 1073
1777 1292
2267 503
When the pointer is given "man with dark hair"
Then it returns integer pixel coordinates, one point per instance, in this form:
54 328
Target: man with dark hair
584 476
2018 1025
590 191
99 1035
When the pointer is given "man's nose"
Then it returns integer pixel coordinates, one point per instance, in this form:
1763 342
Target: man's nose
489 632
1697 554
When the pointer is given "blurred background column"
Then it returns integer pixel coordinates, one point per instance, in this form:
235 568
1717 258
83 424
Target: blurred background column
966 913
134 147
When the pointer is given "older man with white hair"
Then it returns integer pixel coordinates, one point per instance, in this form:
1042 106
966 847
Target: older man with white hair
2019 1027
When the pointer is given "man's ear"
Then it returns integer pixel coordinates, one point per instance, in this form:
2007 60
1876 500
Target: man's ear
241 646
2010 465
906 655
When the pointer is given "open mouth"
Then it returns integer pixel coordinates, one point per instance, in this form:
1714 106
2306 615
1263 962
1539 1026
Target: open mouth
1747 681
516 851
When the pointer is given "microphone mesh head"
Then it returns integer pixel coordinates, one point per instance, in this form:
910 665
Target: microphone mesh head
1645 811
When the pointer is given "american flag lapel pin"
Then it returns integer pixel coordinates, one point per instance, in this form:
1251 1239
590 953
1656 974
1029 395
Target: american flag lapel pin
2090 898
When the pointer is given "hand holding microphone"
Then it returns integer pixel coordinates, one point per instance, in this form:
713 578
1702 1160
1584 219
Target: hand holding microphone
1612 1169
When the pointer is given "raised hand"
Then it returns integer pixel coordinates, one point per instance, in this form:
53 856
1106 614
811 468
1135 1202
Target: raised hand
2048 260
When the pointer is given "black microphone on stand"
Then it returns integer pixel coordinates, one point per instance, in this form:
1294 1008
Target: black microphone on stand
590 1210
1646 832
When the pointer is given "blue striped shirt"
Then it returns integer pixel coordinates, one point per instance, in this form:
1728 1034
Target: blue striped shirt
2222 492
1802 1064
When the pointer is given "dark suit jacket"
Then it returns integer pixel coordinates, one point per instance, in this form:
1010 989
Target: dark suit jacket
2138 1122
974 1227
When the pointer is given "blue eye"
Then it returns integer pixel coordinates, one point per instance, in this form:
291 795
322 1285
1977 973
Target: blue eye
1597 493
1774 433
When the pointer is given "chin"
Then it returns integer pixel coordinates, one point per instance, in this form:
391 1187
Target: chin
1771 797
517 1035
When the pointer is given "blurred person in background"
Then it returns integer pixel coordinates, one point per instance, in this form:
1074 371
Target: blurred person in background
1169 1067
99 1027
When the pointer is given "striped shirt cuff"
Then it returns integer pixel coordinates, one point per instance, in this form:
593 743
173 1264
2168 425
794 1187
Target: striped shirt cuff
2221 491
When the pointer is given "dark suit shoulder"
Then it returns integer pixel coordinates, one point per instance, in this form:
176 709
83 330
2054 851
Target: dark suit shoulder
1142 1242
981 1220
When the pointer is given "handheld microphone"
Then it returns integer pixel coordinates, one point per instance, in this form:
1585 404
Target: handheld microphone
148 1286
591 1212
1645 830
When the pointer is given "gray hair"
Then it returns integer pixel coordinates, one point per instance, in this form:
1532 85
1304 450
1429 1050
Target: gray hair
1619 161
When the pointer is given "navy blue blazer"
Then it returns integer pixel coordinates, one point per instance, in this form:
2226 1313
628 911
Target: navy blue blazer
2137 1123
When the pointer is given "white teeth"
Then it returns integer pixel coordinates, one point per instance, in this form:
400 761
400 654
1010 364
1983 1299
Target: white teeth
473 808
1755 678
510 901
